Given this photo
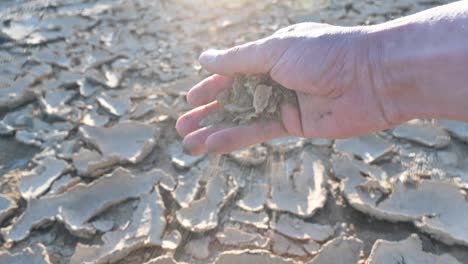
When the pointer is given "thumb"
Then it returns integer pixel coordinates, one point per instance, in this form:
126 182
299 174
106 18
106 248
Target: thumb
254 57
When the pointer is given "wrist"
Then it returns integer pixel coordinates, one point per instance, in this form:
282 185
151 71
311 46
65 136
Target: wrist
383 72
423 60
395 67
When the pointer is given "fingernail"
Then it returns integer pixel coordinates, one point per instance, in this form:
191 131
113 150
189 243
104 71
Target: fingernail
208 56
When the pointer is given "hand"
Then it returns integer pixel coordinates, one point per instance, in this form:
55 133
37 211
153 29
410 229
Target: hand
334 70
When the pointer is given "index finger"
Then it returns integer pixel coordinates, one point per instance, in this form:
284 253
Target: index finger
234 138
206 91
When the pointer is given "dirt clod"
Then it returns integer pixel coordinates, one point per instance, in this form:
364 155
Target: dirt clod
251 98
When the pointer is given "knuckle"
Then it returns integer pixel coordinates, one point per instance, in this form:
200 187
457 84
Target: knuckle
233 52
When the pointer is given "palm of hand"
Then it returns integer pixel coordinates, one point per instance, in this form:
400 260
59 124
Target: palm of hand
337 88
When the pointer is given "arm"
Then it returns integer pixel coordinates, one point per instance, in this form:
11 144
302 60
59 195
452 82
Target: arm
424 58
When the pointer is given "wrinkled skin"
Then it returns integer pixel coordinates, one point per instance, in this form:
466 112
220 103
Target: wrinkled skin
327 66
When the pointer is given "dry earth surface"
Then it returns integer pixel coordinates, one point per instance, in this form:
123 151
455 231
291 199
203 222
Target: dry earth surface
92 170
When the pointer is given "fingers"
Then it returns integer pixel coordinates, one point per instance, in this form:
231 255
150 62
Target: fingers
188 122
250 58
194 143
206 91
235 138
221 139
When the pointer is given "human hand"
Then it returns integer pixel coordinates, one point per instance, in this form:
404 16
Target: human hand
335 72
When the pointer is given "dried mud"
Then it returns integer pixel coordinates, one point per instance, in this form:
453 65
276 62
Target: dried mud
251 98
92 170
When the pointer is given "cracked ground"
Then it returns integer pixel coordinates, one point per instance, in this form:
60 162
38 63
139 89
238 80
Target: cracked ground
92 169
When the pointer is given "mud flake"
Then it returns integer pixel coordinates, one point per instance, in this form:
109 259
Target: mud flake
312 247
19 118
255 197
202 215
299 229
7 207
146 229
261 97
90 163
180 159
425 133
162 260
16 94
103 225
405 251
199 248
457 129
142 109
281 245
251 257
369 148
6 130
35 255
28 138
257 219
126 141
232 236
54 103
187 187
83 201
437 207
36 182
342 250
93 118
112 79
298 188
171 240
255 193
251 98
87 88
117 106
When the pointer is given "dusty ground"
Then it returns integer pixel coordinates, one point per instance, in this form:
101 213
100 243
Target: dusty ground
93 171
